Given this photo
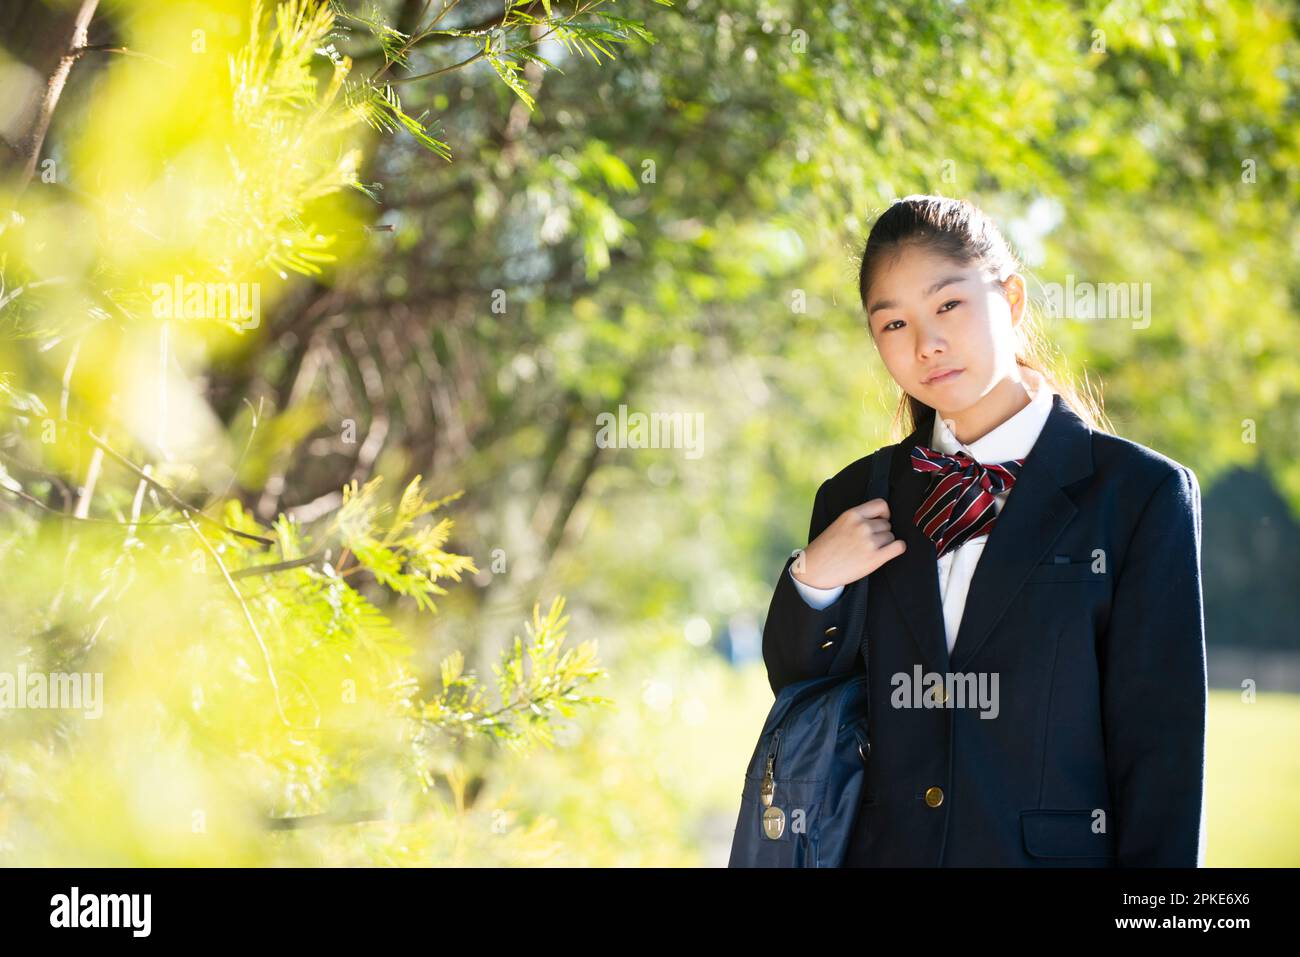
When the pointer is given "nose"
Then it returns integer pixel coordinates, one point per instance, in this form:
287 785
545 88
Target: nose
929 343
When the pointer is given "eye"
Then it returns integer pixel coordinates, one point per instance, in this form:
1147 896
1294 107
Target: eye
950 302
885 327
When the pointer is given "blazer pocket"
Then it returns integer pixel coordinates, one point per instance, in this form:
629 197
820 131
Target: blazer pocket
1065 572
1062 834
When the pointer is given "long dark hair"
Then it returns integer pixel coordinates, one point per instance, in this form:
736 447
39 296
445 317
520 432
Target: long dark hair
959 231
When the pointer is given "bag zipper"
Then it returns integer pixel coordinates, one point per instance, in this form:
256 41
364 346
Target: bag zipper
768 788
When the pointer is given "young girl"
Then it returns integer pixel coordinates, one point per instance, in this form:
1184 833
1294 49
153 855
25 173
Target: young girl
1035 625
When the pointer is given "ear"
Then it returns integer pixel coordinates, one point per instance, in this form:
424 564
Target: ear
1014 289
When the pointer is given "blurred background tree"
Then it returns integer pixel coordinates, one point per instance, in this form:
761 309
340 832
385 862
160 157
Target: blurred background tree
254 681
552 231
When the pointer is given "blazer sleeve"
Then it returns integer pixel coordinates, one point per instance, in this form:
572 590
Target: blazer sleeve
1154 685
794 632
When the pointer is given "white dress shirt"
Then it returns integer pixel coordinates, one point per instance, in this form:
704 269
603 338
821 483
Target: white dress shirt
1011 440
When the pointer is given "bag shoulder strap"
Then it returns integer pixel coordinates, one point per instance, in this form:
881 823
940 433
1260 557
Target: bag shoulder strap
877 487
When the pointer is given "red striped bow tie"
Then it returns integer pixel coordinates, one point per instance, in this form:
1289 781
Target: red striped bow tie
959 505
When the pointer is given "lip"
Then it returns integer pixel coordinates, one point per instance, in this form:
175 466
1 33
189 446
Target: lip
944 376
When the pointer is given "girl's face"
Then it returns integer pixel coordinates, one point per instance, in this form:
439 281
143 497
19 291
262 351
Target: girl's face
929 314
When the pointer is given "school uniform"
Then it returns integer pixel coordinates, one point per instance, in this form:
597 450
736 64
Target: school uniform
1075 626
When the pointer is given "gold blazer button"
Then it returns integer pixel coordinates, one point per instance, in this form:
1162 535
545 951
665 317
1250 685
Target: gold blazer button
934 797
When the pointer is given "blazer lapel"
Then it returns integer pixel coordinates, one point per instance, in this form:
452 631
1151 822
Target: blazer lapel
1033 517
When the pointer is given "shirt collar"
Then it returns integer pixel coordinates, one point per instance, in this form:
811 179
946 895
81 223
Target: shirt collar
1012 439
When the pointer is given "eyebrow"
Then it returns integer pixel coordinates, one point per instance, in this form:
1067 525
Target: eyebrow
890 304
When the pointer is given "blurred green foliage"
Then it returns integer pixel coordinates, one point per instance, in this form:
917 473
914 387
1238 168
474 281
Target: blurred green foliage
675 228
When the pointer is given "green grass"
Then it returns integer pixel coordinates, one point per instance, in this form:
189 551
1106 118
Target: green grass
1253 789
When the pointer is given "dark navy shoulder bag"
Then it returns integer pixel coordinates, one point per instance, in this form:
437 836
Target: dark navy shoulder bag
806 776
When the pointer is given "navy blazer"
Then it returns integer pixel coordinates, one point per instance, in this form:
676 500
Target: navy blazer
1085 608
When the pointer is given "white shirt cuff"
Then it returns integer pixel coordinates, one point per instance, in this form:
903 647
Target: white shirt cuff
817 598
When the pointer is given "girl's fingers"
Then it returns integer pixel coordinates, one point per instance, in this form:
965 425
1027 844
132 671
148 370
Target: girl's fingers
875 508
884 539
893 549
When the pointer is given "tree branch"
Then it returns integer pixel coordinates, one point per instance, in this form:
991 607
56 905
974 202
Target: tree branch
30 145
426 37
